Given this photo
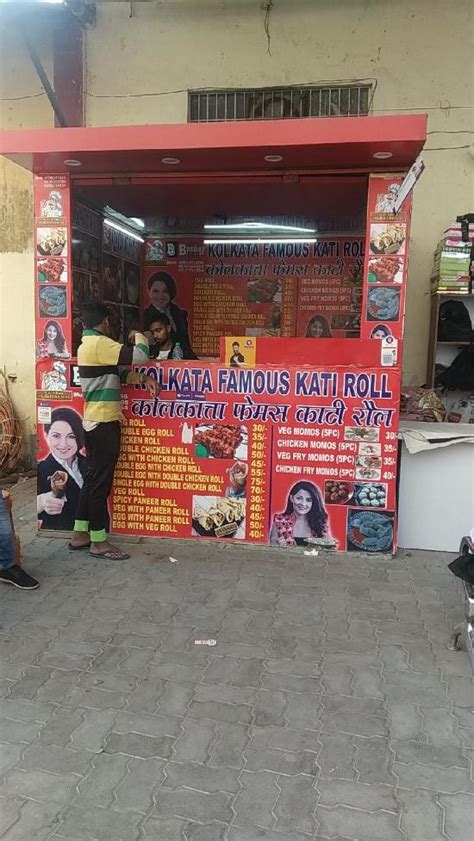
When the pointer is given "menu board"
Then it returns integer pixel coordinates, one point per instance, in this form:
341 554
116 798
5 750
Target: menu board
285 455
193 464
334 460
329 295
255 289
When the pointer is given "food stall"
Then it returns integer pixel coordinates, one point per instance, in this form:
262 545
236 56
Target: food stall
275 252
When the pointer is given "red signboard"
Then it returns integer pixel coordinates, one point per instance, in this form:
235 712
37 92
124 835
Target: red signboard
238 442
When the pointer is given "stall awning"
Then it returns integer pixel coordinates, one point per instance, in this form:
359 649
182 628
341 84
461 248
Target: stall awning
319 144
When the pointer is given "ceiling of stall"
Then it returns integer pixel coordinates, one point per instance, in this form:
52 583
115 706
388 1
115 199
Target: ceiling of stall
308 197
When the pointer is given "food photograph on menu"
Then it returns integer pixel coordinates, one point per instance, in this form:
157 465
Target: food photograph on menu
52 301
52 270
51 242
226 442
214 517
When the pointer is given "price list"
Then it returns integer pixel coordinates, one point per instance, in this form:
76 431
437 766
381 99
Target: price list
259 483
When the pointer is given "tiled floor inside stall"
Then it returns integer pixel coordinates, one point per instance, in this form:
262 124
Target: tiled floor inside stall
330 707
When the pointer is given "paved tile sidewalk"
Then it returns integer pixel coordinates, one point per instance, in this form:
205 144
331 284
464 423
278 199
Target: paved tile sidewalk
329 709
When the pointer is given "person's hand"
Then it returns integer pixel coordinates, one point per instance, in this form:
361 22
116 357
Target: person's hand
152 386
131 335
51 504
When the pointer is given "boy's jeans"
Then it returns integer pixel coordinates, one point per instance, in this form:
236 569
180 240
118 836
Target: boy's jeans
7 547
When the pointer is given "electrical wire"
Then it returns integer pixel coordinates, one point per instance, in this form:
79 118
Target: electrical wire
26 96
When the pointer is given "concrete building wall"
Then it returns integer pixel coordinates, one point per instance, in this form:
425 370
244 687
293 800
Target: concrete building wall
141 58
23 104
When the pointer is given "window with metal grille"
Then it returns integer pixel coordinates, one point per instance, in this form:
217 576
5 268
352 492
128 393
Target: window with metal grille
279 103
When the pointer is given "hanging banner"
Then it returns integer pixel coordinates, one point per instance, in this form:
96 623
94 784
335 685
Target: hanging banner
53 266
386 262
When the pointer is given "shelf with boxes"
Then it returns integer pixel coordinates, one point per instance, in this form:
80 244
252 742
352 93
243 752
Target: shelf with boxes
450 358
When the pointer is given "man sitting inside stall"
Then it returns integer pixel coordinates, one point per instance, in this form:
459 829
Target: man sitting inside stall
164 340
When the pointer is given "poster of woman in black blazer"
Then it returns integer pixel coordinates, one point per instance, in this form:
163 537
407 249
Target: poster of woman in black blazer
61 473
162 291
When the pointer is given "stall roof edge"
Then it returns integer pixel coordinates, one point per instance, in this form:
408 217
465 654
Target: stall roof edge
312 143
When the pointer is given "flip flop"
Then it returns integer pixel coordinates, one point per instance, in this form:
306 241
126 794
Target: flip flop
110 555
79 548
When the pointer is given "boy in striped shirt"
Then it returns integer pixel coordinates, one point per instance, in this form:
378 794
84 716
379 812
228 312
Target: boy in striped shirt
103 366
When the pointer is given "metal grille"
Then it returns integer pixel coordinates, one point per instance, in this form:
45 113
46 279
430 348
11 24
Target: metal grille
279 103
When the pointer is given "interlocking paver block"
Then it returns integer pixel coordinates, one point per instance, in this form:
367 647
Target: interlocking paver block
139 745
27 687
281 738
443 757
20 710
163 829
234 671
227 748
358 825
269 708
432 777
175 698
291 683
201 777
101 824
295 806
368 683
439 726
459 811
194 742
105 774
193 805
237 833
337 679
233 713
135 792
302 711
36 821
150 725
95 699
40 785
422 818
358 725
373 760
417 688
282 762
465 723
358 795
10 810
57 760
59 729
91 733
225 694
461 691
206 832
405 721
254 803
